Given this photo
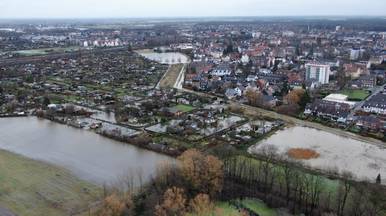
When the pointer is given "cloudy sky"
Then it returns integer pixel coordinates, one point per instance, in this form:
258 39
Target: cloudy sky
186 8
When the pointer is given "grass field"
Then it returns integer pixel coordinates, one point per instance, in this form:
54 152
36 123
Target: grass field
227 209
328 184
258 207
45 51
356 95
221 209
224 208
33 188
184 108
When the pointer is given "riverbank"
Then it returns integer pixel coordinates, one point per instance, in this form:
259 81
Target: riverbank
30 187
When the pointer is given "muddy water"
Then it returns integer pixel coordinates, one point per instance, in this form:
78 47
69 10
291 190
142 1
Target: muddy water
363 160
87 155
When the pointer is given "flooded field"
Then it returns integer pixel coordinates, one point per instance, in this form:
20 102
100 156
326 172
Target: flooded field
337 153
165 58
87 155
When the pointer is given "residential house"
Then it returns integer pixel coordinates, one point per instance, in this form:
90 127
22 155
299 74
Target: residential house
222 70
329 110
369 122
376 104
364 82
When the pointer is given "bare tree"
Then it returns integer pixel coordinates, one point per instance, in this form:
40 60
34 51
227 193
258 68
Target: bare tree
343 192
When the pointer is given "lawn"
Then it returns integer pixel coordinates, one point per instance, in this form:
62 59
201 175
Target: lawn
225 209
45 51
258 207
329 184
221 209
356 95
29 187
184 108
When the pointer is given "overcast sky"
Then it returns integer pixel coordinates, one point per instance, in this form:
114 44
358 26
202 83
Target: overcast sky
186 8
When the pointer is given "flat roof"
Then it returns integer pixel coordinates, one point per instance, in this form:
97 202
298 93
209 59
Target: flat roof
340 97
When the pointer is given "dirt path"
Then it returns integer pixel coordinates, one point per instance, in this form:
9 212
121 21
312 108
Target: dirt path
171 77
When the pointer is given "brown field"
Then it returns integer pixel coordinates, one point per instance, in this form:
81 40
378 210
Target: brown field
171 76
302 154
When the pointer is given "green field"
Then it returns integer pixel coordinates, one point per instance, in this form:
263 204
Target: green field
184 108
356 95
29 187
329 185
224 208
258 207
221 209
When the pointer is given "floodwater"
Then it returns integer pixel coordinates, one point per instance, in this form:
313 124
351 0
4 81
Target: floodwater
166 58
87 155
337 153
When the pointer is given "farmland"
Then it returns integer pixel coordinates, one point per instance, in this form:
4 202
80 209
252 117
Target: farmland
171 76
37 52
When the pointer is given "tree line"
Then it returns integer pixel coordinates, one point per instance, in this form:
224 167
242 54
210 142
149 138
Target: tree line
193 184
286 186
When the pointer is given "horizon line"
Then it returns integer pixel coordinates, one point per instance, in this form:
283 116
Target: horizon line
196 17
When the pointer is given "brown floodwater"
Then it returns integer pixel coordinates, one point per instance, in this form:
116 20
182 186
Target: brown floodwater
87 155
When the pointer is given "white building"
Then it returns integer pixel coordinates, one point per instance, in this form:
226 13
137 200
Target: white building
355 54
256 34
376 104
319 72
339 98
245 59
222 70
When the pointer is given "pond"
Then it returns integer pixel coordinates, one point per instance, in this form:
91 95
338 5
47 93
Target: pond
335 153
87 155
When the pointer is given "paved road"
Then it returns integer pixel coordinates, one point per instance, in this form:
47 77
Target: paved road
359 105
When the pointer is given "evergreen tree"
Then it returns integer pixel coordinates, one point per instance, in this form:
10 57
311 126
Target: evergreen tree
378 180
304 100
285 88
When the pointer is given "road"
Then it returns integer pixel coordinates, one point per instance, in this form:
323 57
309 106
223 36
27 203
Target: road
173 76
180 79
359 105
259 112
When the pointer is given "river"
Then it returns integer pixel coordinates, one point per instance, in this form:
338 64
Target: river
87 155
